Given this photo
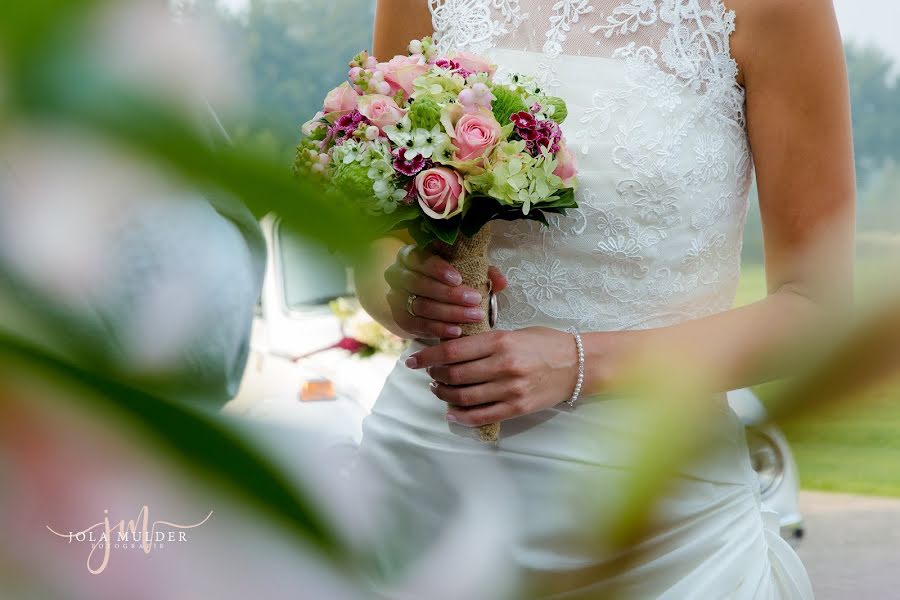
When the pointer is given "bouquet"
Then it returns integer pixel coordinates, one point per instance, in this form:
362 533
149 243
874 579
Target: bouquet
440 146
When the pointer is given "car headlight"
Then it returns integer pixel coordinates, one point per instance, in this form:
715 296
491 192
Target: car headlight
767 460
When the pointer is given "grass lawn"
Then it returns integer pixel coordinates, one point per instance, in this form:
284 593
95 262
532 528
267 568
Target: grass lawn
856 447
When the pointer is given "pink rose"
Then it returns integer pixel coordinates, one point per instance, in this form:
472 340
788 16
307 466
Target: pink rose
340 101
441 192
382 111
475 64
566 167
402 71
475 134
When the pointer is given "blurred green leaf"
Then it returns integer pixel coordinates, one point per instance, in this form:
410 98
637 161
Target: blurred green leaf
68 91
32 30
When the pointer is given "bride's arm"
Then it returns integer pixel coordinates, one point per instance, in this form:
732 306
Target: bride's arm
799 124
396 23
798 117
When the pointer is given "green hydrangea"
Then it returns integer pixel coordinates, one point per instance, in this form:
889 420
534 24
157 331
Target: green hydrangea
556 108
425 113
507 103
440 85
520 179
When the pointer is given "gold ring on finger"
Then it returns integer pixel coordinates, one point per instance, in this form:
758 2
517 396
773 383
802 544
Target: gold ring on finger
409 305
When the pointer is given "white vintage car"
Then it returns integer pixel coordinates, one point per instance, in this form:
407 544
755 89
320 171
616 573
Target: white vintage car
331 392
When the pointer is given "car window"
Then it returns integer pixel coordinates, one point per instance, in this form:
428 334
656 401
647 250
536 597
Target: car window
311 275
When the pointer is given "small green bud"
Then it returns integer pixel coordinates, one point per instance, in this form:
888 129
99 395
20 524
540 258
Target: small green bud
425 113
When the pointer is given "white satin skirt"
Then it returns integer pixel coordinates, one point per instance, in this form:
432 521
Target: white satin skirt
709 539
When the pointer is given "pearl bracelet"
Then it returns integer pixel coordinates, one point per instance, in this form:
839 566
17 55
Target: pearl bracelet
580 346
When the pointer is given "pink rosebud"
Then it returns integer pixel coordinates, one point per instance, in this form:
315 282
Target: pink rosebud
566 166
475 134
340 101
313 124
380 110
401 71
441 192
475 64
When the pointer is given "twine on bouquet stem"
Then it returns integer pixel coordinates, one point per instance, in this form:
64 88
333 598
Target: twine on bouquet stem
469 256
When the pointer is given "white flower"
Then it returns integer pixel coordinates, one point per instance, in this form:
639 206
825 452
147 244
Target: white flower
401 133
427 143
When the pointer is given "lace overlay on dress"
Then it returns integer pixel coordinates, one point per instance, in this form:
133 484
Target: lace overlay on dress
657 118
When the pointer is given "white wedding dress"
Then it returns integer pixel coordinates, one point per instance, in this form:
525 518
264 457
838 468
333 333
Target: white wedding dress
656 117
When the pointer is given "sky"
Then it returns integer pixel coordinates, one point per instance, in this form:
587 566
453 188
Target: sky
867 21
871 21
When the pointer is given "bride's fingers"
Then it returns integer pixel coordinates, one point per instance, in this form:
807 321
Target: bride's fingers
462 350
483 415
429 265
428 329
425 308
410 282
469 396
450 313
470 373
499 282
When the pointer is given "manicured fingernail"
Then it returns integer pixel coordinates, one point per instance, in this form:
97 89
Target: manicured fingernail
472 298
452 418
453 278
454 331
411 362
476 314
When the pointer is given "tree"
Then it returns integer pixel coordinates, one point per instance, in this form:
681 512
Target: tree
875 96
294 52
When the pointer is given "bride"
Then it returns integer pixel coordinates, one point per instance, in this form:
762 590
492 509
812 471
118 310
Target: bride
672 103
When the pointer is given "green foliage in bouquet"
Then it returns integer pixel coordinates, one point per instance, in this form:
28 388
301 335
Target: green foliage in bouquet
506 104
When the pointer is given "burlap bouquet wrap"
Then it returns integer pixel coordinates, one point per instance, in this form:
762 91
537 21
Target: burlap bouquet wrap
469 256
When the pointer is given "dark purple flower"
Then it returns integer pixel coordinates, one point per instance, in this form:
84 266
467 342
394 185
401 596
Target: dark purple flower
463 72
345 126
523 120
528 134
411 194
408 167
447 63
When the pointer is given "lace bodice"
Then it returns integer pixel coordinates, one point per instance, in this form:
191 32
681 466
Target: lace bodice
657 118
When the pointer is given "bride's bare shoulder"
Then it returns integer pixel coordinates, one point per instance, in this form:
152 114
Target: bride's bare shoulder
767 28
397 22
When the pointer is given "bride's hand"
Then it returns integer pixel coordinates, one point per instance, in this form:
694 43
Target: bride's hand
495 376
441 302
